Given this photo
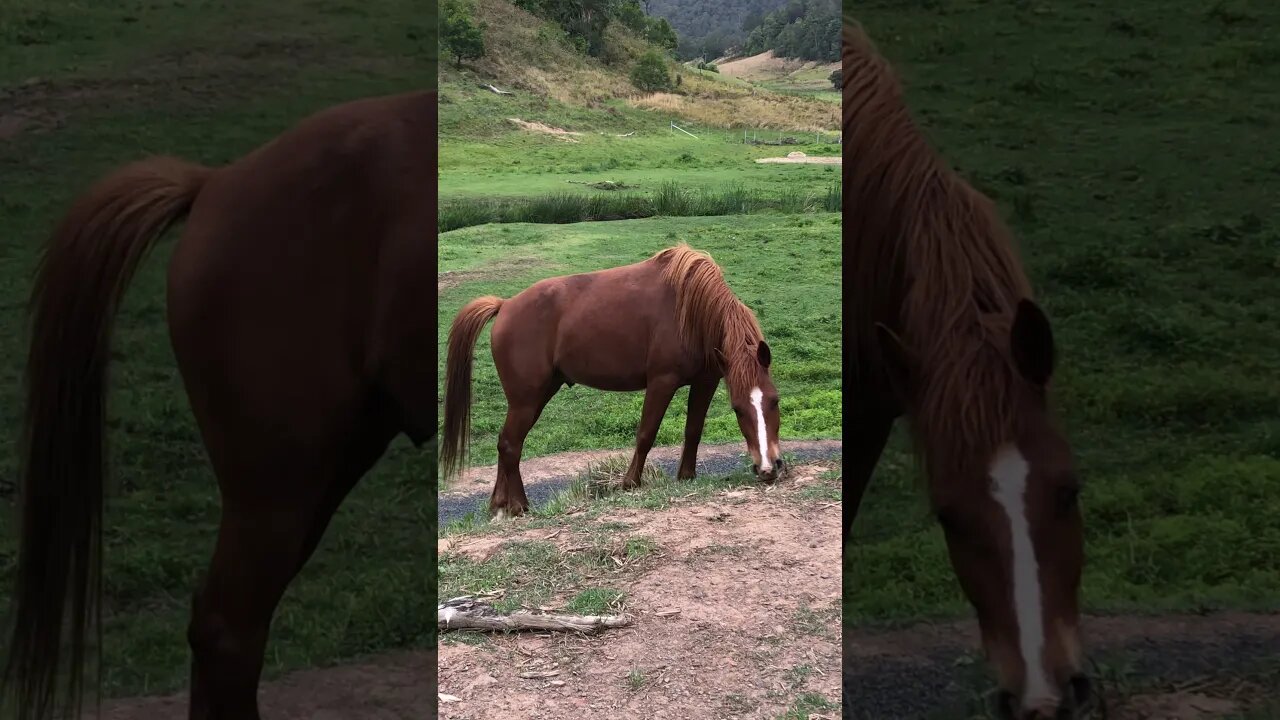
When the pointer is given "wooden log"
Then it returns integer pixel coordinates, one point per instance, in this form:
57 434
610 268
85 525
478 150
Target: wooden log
467 613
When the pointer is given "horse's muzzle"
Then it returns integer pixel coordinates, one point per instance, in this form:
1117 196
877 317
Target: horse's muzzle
1079 694
773 473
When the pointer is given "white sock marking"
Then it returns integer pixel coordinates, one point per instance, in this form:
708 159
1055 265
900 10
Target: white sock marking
501 515
1009 488
757 401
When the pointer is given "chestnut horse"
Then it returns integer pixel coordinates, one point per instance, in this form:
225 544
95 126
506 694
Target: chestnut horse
303 331
946 333
655 325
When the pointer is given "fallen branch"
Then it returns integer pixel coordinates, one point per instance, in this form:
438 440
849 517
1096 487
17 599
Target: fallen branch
494 89
467 613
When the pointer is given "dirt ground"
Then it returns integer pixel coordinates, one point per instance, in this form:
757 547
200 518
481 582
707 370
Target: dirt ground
807 159
766 65
737 617
390 687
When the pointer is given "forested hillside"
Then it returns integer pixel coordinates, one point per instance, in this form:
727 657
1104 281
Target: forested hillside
709 28
804 29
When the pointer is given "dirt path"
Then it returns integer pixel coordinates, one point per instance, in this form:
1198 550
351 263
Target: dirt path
737 615
547 475
389 687
1172 667
569 464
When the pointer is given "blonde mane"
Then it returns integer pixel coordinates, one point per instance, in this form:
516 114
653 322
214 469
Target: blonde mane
932 255
710 316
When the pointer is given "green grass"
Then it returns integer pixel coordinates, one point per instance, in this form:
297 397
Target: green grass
1134 151
532 574
785 267
114 81
483 155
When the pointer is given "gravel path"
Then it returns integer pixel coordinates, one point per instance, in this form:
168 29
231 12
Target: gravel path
712 460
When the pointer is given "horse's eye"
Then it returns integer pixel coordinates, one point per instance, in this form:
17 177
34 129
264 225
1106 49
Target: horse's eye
774 403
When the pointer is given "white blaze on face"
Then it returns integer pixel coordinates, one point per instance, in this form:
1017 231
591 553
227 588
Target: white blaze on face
1009 488
757 402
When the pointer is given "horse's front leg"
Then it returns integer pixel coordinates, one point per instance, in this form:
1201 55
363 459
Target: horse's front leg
869 433
657 397
700 394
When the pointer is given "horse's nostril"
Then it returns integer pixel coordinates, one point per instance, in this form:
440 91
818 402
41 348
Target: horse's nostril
1005 705
1081 689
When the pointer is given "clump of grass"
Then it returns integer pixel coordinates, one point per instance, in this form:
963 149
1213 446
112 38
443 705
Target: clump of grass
603 478
636 678
596 601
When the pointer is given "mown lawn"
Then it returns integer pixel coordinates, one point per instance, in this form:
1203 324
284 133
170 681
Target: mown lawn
102 85
1134 150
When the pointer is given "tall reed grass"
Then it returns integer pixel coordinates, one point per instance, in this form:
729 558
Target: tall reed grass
670 200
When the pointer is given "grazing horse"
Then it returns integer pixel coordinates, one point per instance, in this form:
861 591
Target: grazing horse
945 332
655 325
303 330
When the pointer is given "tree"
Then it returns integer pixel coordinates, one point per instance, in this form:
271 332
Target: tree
650 73
630 15
661 33
459 32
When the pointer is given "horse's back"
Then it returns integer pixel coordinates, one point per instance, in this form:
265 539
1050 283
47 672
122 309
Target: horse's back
593 328
292 253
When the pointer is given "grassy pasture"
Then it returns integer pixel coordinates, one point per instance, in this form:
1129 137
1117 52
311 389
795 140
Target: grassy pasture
87 87
785 267
1134 151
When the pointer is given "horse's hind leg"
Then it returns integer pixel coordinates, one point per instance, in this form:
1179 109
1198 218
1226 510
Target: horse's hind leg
508 498
700 394
260 548
657 397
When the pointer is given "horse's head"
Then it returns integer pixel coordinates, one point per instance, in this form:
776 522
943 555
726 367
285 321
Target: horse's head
755 402
1008 507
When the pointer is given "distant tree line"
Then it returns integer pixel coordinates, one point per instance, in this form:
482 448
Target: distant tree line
804 29
586 21
711 28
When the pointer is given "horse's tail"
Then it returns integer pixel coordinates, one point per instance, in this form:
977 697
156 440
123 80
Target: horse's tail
466 328
81 278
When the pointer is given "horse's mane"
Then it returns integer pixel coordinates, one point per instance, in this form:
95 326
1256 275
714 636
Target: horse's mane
936 264
710 315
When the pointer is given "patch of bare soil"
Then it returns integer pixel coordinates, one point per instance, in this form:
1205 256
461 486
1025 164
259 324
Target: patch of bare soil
181 78
538 127
535 470
1189 667
736 616
509 267
767 66
804 159
391 687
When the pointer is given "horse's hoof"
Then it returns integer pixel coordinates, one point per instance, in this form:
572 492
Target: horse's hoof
501 515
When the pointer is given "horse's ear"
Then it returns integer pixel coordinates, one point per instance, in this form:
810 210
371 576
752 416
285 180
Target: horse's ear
764 355
898 364
1031 343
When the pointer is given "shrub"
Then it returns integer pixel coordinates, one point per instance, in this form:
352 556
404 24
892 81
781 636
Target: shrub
650 73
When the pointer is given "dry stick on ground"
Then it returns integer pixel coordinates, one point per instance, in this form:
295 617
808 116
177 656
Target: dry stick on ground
467 613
